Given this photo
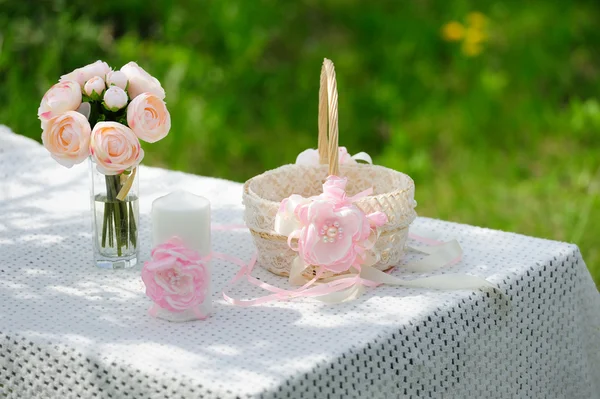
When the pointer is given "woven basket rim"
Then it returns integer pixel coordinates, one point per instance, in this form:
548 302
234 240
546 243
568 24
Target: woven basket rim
410 181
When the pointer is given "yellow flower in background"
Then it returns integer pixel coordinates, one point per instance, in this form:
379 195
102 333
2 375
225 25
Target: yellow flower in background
472 45
453 31
471 49
473 36
476 19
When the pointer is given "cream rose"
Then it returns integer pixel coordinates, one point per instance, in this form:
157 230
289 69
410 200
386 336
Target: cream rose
115 98
67 137
115 148
286 220
83 74
95 84
62 97
141 81
148 117
116 78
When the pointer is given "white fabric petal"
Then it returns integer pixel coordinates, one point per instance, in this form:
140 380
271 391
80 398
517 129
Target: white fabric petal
362 156
308 157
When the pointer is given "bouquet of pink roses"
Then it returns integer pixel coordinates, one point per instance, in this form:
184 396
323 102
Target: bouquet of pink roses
102 114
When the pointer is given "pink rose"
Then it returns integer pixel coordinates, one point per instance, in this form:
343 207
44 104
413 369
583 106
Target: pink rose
148 117
115 148
176 278
116 78
115 98
83 74
333 232
62 97
141 81
67 137
311 157
334 190
94 85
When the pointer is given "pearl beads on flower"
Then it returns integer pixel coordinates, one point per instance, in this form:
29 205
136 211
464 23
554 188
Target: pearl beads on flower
331 231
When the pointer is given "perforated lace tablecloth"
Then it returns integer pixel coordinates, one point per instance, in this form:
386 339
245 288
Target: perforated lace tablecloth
68 330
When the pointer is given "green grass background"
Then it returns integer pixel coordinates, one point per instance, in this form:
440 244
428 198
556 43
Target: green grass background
508 139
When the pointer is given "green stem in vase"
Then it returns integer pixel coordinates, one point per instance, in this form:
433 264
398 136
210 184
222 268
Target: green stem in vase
132 226
110 225
111 193
118 230
120 225
108 214
125 223
105 225
118 214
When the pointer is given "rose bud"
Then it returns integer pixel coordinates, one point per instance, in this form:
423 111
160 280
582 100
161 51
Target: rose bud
116 78
141 81
94 85
83 74
115 98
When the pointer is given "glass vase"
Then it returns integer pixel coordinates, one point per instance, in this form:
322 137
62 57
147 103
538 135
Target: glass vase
115 218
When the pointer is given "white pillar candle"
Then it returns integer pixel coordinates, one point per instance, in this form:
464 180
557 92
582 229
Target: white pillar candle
187 216
184 215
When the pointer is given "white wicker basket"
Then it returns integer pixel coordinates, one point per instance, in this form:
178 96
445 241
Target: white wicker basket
393 193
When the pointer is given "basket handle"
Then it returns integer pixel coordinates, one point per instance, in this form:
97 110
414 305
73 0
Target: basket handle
328 118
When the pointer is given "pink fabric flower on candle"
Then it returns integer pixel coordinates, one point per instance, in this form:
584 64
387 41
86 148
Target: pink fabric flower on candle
176 278
334 233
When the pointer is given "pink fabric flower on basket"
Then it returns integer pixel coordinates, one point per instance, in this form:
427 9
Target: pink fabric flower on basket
176 278
334 233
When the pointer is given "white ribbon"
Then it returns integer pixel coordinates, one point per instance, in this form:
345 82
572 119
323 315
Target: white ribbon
439 256
440 282
362 156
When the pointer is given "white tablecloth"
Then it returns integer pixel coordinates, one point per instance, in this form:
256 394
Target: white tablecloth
69 330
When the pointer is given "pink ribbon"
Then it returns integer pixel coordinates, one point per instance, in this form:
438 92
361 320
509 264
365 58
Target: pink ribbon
278 294
424 240
308 290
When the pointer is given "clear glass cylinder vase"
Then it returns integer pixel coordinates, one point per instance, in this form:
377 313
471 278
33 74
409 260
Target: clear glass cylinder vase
115 218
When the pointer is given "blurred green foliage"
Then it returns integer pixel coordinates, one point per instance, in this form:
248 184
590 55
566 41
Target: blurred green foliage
507 139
